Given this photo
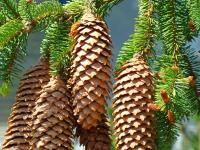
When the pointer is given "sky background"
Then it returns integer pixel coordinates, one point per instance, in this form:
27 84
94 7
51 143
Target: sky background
121 22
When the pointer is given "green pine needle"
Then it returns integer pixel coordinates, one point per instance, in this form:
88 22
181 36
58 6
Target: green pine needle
9 8
142 39
47 8
4 89
194 6
11 58
9 31
26 9
57 46
166 134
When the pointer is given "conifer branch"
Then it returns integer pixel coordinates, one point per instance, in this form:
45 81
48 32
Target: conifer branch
172 25
26 9
9 31
2 18
142 39
174 91
166 133
9 7
56 46
76 8
11 57
192 63
194 6
104 6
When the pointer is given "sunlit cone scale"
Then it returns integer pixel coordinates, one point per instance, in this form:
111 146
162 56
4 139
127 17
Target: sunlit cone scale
96 138
18 134
133 120
53 118
91 70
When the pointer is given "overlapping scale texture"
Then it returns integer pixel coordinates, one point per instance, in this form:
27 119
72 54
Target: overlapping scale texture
96 138
91 70
18 134
133 120
53 118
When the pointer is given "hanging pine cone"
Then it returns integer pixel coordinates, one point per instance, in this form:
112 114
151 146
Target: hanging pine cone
133 120
53 117
91 70
18 134
96 138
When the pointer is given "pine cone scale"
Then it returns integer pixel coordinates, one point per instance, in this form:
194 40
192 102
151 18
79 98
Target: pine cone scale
18 134
97 138
91 70
53 119
133 121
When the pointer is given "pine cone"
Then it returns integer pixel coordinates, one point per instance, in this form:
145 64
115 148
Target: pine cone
53 117
96 138
91 70
18 134
133 120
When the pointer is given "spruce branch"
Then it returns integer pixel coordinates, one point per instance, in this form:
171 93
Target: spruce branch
57 46
143 37
192 63
2 18
194 10
4 89
39 16
44 13
174 92
173 22
174 86
166 133
26 9
9 31
75 7
11 57
47 8
9 8
104 6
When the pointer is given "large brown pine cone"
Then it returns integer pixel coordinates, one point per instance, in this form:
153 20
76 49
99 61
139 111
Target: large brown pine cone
96 138
133 120
18 134
91 70
53 118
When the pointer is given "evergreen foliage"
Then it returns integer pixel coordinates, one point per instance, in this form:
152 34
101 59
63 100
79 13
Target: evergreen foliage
44 13
9 31
103 6
142 38
162 34
75 7
9 8
166 134
2 18
11 57
26 9
194 6
166 34
57 46
174 69
192 58
173 20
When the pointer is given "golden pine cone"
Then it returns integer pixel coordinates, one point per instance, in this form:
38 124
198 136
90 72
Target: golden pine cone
133 120
91 70
53 117
96 138
18 134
